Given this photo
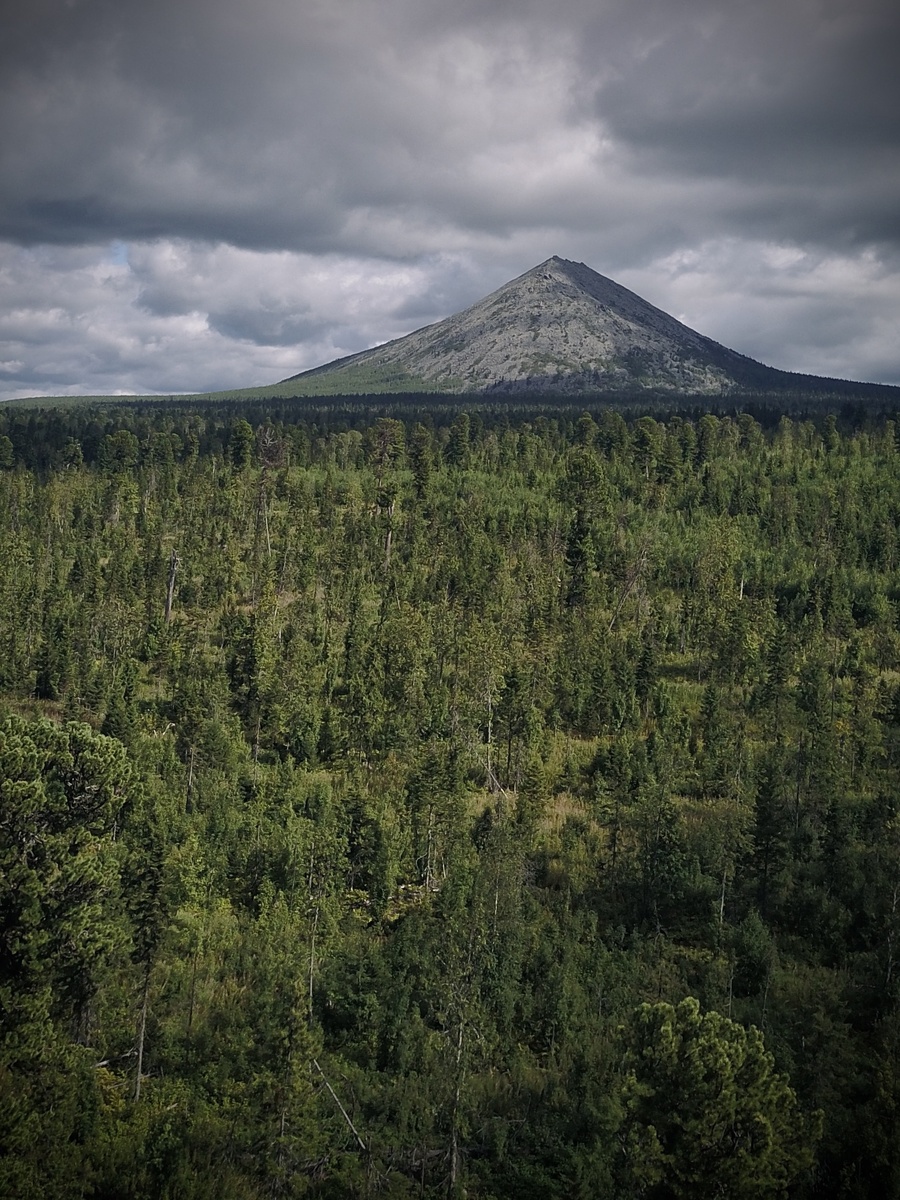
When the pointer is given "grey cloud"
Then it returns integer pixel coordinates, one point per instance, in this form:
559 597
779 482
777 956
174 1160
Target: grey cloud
295 125
268 327
418 154
280 126
178 316
798 98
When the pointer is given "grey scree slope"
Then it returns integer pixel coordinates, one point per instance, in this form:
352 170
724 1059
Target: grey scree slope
560 326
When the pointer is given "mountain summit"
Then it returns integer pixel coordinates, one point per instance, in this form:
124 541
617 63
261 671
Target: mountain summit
560 327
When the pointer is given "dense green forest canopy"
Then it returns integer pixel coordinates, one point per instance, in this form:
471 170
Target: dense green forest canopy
489 802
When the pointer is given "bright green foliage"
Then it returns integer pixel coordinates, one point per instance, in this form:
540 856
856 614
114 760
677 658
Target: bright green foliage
705 1112
61 789
363 773
240 444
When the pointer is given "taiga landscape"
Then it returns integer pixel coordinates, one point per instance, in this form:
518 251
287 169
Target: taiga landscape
490 801
449 600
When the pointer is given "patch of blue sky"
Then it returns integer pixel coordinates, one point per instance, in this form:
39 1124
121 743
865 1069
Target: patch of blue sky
118 253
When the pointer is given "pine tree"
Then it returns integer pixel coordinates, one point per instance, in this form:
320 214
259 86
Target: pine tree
706 1114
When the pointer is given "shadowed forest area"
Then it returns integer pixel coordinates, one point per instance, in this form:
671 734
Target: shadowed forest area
482 804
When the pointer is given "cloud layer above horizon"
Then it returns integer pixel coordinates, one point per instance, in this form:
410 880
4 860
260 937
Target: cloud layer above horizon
199 195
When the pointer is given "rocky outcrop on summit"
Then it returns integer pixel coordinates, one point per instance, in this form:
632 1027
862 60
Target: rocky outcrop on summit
560 327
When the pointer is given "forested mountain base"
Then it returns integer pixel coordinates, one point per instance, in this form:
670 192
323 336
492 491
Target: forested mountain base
474 807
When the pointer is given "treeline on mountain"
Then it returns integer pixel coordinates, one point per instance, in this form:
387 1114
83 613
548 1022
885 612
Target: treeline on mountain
475 806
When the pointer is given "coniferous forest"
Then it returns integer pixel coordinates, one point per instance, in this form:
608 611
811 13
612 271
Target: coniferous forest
481 804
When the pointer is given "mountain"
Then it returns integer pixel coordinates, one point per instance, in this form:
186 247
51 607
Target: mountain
560 327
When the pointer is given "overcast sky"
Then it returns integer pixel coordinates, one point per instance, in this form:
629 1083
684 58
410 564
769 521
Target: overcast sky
200 194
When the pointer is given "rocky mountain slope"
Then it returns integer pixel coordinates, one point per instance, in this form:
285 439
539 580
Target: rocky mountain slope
560 327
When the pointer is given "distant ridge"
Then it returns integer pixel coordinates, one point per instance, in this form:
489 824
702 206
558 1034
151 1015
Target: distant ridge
560 327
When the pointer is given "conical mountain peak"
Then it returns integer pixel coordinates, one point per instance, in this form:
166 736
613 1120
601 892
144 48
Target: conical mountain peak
559 327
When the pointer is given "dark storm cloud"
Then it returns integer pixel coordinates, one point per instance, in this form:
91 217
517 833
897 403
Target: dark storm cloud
421 153
797 105
157 120
281 124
